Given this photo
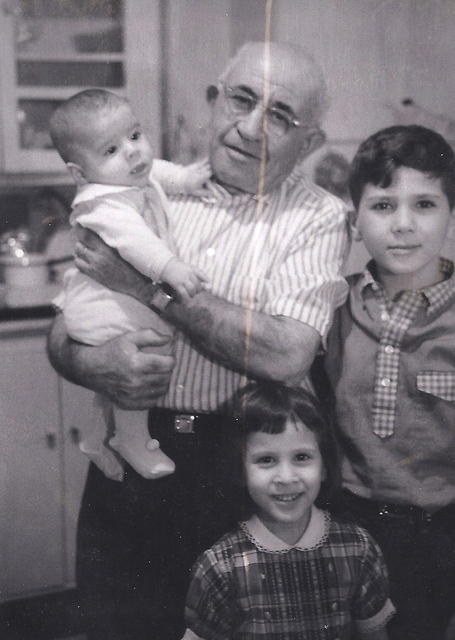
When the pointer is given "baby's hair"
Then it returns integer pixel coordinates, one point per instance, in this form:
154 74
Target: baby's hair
413 146
267 407
71 117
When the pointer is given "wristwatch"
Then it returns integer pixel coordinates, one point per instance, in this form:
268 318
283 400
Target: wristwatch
162 297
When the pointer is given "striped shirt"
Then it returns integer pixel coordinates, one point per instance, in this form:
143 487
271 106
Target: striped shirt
391 364
252 585
280 254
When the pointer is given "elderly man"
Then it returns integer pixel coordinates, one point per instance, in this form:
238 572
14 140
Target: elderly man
272 245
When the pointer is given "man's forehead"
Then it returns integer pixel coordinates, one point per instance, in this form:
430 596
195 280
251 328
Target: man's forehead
276 76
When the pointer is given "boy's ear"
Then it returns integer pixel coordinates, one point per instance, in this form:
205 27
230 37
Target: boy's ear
352 222
76 173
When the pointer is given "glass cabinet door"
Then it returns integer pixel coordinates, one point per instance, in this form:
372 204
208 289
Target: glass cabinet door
52 49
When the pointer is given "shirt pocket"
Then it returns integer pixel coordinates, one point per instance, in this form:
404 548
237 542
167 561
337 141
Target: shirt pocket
437 383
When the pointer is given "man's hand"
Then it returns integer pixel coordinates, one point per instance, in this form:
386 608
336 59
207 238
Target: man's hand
104 264
121 369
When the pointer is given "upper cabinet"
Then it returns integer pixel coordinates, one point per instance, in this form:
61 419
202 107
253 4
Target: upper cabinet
51 49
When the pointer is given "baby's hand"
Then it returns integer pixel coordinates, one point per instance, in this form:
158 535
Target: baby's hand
195 177
184 278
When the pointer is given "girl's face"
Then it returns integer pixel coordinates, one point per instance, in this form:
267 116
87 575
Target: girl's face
284 472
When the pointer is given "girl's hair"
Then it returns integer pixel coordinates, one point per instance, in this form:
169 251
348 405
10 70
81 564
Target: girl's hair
413 146
267 407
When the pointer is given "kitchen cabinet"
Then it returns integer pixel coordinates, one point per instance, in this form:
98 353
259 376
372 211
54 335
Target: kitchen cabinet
52 49
42 471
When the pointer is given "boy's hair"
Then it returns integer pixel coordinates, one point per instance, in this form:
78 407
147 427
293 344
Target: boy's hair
413 146
266 407
70 119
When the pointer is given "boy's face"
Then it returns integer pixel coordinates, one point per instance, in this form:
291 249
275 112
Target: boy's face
404 227
114 150
284 472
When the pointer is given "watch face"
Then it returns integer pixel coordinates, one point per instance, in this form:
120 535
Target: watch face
160 299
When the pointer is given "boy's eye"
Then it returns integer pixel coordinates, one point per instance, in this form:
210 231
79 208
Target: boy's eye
425 204
383 205
265 460
110 151
136 135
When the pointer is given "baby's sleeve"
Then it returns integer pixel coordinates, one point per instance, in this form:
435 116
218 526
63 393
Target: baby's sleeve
122 227
372 607
171 176
210 608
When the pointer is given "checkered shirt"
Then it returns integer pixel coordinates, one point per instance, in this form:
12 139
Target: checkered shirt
243 591
397 316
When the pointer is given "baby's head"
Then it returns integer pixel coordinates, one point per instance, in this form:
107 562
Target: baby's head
285 451
402 185
100 139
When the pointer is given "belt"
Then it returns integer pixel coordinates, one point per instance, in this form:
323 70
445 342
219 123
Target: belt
397 511
183 423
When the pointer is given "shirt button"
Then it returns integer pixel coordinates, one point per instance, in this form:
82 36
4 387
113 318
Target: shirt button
334 606
385 382
385 316
389 349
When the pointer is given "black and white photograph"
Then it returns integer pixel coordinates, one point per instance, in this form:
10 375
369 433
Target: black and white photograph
227 319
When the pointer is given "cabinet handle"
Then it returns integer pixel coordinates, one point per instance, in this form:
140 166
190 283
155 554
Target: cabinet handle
75 435
51 440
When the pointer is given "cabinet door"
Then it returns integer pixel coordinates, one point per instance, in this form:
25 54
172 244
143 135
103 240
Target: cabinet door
49 51
31 481
76 406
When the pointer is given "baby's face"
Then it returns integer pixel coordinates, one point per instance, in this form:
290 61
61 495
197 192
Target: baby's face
115 150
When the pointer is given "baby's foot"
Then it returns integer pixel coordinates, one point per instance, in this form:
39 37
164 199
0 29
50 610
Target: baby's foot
148 460
106 460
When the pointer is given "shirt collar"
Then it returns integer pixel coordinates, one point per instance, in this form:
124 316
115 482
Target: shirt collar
435 295
95 190
265 540
217 192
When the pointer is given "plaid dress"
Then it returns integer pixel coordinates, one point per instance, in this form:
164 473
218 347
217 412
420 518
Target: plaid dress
251 585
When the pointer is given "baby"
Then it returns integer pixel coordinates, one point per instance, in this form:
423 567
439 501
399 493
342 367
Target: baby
109 157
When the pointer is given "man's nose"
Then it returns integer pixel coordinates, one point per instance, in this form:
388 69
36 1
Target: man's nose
252 126
403 219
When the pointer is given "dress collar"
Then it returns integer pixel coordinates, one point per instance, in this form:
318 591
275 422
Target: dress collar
265 540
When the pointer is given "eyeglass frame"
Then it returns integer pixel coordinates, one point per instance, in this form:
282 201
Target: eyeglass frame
294 123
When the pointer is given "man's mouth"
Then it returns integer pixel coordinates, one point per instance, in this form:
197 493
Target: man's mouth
402 248
242 152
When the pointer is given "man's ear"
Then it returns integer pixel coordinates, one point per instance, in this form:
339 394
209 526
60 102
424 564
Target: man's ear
76 173
312 141
212 93
352 222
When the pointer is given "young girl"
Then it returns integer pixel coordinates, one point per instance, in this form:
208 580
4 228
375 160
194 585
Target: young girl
290 570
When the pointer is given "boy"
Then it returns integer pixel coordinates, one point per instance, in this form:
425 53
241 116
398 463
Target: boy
110 159
391 363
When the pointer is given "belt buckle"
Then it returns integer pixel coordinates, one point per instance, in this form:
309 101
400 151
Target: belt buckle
184 423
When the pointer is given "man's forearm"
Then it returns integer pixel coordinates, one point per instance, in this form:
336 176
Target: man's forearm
272 347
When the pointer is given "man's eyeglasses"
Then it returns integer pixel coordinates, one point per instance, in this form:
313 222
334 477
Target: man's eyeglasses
241 102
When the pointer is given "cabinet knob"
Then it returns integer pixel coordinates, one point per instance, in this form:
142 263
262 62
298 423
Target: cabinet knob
75 435
51 440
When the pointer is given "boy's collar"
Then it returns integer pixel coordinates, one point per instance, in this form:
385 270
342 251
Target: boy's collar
265 540
436 295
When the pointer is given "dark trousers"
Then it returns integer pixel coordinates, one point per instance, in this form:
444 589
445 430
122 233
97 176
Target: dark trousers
419 551
138 539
